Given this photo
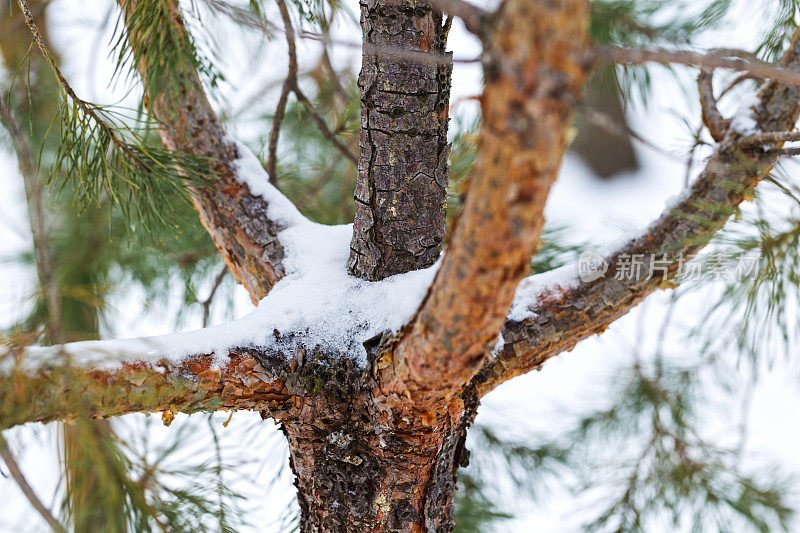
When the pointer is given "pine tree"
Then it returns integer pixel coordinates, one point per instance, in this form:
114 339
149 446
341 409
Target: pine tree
376 406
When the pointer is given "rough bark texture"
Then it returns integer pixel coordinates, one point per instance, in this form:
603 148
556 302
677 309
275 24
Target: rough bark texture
362 468
59 392
402 166
562 318
535 63
236 220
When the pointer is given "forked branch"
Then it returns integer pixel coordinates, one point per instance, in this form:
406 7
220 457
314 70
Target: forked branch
534 72
560 318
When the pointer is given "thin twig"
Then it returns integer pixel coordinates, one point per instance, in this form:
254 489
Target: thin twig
334 76
760 69
474 18
784 152
323 127
431 57
784 189
614 127
288 85
291 85
777 137
712 118
27 490
82 104
207 302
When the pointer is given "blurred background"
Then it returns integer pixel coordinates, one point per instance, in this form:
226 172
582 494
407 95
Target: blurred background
683 416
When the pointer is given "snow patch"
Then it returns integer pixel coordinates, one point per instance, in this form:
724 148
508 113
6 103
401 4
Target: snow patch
498 345
744 119
251 173
317 304
530 288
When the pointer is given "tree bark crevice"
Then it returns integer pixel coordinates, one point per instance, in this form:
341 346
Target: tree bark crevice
402 169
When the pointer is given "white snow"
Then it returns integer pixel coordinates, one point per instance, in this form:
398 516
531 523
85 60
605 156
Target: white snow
743 120
530 288
252 174
317 303
498 345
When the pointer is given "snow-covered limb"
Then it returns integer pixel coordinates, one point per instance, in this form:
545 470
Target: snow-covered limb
559 318
317 307
236 209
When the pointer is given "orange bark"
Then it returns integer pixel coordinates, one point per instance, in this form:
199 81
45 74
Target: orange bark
536 64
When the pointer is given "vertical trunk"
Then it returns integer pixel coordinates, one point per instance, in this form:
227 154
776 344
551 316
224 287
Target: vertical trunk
402 167
361 472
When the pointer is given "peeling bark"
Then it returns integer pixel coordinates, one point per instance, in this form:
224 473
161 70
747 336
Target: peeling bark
236 219
402 166
61 392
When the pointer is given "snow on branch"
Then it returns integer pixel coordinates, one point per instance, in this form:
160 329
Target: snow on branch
317 307
555 319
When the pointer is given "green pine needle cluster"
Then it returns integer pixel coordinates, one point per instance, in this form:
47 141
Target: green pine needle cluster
128 167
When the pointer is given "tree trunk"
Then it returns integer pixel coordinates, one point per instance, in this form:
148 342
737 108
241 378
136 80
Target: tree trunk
402 165
358 468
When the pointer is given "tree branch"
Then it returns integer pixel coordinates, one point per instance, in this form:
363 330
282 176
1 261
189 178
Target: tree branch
47 384
760 139
291 85
717 126
561 317
323 127
534 73
402 167
475 19
711 60
235 217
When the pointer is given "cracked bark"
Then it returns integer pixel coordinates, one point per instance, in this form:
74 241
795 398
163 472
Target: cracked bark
402 166
236 219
